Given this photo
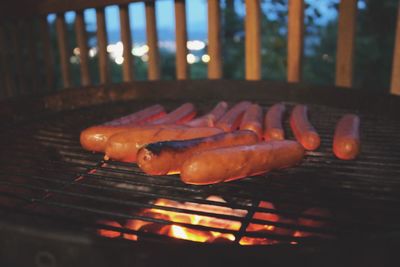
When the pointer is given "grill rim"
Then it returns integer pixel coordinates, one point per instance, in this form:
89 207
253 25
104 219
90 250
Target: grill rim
20 109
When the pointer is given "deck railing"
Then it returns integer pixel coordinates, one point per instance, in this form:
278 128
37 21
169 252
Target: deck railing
23 75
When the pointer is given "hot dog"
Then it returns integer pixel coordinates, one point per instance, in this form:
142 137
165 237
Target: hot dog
346 141
304 132
252 120
124 146
231 120
273 123
95 138
182 114
140 117
167 157
232 163
210 118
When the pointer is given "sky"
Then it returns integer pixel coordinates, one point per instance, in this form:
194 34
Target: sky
196 13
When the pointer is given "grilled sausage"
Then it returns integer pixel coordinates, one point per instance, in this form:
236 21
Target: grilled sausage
232 163
95 138
304 132
182 114
273 123
125 145
210 118
252 120
140 117
231 120
346 141
167 157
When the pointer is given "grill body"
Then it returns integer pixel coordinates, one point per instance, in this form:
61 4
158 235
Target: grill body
53 193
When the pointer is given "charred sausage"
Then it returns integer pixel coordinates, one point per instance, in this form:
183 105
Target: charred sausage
304 132
125 145
346 141
181 115
273 123
231 120
252 120
210 118
232 163
167 157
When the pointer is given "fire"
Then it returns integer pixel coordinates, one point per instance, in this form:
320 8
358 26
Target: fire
186 233
109 233
178 229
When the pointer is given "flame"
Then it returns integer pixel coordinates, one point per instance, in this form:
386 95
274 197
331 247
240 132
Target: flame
176 218
181 232
109 233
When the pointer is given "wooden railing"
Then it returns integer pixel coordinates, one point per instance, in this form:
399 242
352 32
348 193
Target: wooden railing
19 73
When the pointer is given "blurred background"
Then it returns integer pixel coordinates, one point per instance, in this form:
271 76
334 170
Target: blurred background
376 21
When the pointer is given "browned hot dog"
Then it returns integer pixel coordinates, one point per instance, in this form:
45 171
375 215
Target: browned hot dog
232 163
304 132
273 123
252 120
231 120
182 114
140 117
210 118
125 145
346 141
95 138
167 157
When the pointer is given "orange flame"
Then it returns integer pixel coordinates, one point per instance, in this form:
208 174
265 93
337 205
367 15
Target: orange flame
109 233
187 233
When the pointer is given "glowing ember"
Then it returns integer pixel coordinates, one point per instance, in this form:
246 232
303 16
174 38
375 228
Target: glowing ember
185 233
109 233
180 231
323 213
264 216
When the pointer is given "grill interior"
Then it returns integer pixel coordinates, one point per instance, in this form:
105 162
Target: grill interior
46 176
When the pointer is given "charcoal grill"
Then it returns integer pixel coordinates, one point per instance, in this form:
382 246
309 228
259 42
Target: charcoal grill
54 195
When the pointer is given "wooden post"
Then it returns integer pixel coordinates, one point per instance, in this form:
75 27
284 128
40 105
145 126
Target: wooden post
295 40
15 30
5 75
63 49
345 43
47 53
81 38
152 42
32 70
102 45
127 67
253 41
214 41
181 40
395 83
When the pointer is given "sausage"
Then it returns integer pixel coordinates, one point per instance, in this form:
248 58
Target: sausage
140 117
95 138
346 141
231 120
304 132
252 120
273 123
167 157
182 114
210 118
232 163
125 145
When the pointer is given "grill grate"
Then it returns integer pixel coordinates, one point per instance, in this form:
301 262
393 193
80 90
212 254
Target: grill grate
44 173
